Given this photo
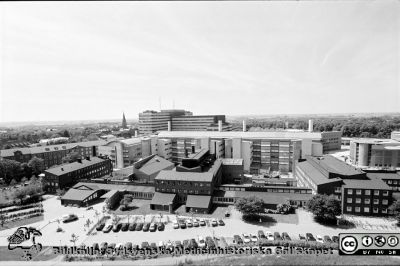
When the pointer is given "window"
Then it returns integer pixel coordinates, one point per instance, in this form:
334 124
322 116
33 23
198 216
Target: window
367 192
349 209
358 200
384 210
385 193
367 201
376 201
375 210
358 209
349 200
337 189
358 191
376 192
385 202
366 209
349 191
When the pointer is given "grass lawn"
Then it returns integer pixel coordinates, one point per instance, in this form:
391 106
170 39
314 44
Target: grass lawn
22 222
298 260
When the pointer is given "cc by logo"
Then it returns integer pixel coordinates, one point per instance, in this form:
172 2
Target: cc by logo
349 244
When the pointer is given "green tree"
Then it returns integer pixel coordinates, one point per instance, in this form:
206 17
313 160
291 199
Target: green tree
19 194
250 207
325 208
26 170
10 169
37 165
13 182
395 209
66 134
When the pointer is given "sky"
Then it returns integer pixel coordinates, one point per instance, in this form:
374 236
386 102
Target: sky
95 60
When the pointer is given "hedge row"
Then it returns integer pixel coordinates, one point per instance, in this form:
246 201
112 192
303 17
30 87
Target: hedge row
14 215
25 217
23 207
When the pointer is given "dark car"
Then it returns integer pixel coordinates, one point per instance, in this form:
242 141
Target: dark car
177 244
124 227
153 227
210 242
70 218
139 227
302 237
310 237
285 236
202 223
132 227
221 223
335 239
135 247
116 228
214 223
277 236
103 247
107 228
327 239
112 246
160 226
261 234
145 245
196 224
100 227
153 245
182 225
193 243
146 227
238 240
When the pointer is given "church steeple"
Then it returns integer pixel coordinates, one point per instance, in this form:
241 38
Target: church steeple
124 125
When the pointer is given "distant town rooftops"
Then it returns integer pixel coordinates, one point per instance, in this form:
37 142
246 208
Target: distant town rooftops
66 168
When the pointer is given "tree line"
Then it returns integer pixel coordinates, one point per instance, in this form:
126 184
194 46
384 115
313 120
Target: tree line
13 172
364 127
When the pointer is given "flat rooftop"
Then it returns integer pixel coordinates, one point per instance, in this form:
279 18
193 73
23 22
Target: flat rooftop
365 184
375 141
229 161
317 177
66 168
184 176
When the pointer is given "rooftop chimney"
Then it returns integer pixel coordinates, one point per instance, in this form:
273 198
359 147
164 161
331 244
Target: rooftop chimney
310 125
244 125
220 125
169 125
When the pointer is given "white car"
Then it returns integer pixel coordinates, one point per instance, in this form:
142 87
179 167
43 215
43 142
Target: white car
253 238
320 239
269 236
160 244
246 238
118 246
175 224
201 242
189 223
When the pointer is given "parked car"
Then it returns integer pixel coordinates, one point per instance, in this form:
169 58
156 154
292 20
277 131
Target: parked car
320 239
310 237
201 242
189 223
277 236
168 245
107 228
103 246
261 234
160 244
253 238
116 227
202 222
153 227
177 244
118 246
132 227
335 239
327 239
89 208
135 247
95 246
124 227
160 227
145 244
210 242
221 223
153 245
227 214
285 236
112 246
182 225
269 236
237 240
214 222
193 243
186 244
246 238
146 227
139 227
100 226
69 218
302 237
196 224
175 225
128 245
